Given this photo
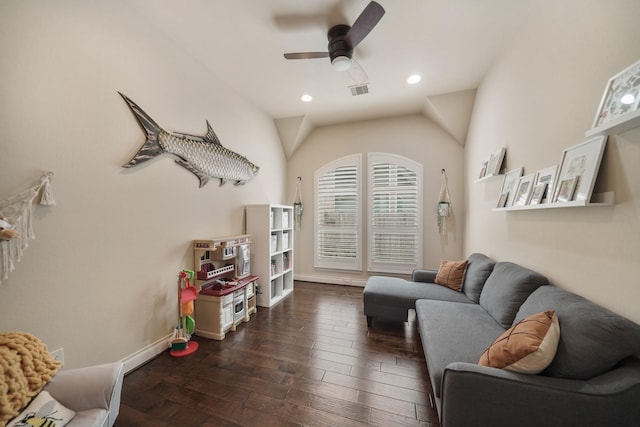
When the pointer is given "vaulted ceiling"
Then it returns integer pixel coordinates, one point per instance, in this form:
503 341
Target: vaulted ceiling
450 43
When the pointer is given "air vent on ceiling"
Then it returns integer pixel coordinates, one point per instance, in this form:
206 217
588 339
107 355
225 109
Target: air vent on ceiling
359 89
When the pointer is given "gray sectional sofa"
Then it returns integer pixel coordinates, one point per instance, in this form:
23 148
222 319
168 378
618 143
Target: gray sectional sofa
593 380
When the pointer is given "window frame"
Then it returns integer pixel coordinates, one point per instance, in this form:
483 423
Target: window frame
415 167
319 261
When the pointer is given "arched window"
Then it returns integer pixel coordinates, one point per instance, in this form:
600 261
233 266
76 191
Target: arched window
394 214
394 221
338 214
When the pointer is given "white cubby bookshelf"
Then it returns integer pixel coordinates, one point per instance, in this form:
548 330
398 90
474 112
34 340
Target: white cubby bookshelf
271 227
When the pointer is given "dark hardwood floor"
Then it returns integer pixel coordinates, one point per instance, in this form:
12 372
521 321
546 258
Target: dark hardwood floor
308 361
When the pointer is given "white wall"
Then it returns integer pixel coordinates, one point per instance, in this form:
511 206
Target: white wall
100 278
414 137
539 99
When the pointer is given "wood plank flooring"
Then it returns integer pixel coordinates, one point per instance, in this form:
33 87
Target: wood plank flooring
309 361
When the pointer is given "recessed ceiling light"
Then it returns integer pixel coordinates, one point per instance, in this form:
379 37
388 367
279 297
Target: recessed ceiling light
413 79
306 98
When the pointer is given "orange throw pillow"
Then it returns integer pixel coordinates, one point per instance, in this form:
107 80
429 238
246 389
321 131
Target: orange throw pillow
450 274
527 347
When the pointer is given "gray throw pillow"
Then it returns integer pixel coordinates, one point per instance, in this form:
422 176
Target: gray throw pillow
479 268
592 339
506 289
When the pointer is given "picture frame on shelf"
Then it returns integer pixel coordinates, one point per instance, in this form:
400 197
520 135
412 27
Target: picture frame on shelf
546 176
582 161
509 185
523 191
502 201
538 193
495 162
483 169
621 96
566 189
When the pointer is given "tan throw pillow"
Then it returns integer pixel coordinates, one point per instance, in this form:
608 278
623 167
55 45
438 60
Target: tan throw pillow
450 274
527 347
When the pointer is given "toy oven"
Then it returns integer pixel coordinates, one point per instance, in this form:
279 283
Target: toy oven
238 305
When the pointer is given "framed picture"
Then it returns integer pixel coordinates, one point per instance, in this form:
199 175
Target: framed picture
502 201
566 189
621 95
538 193
546 176
483 169
583 161
509 185
495 162
523 193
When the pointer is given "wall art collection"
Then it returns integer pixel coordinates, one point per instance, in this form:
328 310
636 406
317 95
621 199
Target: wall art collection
572 180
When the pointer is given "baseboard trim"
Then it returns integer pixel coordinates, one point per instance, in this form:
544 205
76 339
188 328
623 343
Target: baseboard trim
332 280
145 354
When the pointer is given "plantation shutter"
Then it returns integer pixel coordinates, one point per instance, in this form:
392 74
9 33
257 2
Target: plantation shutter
338 214
394 214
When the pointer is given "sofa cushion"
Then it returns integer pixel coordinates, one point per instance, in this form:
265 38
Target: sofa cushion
479 268
450 274
453 332
43 408
527 347
506 289
396 292
593 339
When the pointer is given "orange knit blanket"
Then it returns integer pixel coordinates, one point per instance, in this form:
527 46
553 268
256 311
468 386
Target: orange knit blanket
25 367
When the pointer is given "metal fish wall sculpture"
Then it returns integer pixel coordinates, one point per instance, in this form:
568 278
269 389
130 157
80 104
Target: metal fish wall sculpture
203 156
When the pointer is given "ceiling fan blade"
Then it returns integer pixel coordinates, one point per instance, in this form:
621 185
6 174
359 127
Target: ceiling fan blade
306 55
357 73
363 25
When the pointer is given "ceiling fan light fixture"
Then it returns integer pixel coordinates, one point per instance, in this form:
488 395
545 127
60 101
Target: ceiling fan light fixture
341 63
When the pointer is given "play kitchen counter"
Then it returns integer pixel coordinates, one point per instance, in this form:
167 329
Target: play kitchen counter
226 288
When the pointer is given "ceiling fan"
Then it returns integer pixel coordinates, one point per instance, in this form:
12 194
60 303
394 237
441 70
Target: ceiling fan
343 39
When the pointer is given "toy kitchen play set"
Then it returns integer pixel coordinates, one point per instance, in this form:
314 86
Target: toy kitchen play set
227 290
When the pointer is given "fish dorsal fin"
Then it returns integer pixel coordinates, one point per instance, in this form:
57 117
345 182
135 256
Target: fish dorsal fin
211 135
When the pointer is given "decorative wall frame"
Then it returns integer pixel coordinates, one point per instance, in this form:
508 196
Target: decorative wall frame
583 161
495 162
509 185
538 194
523 192
566 188
502 200
546 176
483 169
621 96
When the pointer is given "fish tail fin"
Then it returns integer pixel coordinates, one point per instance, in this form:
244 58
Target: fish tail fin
151 147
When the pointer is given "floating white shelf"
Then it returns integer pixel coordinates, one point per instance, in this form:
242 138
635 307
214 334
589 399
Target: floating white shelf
488 178
598 199
617 125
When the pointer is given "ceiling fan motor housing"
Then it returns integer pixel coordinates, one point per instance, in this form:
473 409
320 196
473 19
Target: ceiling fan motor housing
338 46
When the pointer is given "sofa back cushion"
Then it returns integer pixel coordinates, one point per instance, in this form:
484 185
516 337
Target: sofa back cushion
506 289
479 268
592 339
